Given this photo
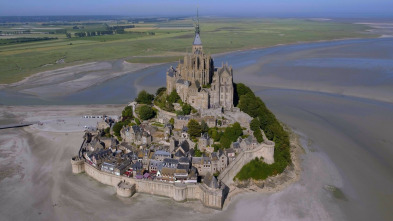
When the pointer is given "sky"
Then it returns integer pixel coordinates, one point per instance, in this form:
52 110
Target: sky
231 8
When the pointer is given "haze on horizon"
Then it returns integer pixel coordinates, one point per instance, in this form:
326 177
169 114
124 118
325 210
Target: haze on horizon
232 8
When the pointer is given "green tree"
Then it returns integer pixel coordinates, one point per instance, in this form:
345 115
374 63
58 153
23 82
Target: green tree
117 127
186 108
146 112
231 134
204 127
258 135
215 134
144 97
197 153
107 132
194 128
160 90
127 113
173 97
254 124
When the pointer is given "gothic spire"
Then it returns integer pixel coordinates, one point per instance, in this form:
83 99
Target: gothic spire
197 39
197 23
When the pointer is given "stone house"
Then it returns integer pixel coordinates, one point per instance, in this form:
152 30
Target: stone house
109 141
192 176
203 165
167 174
97 157
135 134
105 123
249 143
167 131
137 168
181 174
155 165
160 155
109 166
211 121
181 121
182 150
123 167
204 141
95 144
170 163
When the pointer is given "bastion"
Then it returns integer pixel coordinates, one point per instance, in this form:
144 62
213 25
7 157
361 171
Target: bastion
78 165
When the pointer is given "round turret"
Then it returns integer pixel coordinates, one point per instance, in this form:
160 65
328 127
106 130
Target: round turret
125 189
78 165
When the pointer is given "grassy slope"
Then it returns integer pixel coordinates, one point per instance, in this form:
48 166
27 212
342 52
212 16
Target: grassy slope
218 35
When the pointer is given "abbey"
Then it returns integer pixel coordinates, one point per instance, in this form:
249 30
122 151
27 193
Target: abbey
198 82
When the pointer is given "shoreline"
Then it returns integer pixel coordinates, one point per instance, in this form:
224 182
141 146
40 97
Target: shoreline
75 78
147 65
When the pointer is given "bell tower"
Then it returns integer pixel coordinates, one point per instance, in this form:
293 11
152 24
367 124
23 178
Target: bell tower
197 45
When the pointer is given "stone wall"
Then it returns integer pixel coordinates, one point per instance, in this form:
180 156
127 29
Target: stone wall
213 198
265 150
78 165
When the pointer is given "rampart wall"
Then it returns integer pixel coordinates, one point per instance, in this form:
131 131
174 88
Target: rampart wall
213 198
265 150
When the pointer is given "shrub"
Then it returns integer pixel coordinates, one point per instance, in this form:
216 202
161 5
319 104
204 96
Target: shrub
231 134
127 113
146 112
160 90
194 128
144 97
173 97
186 108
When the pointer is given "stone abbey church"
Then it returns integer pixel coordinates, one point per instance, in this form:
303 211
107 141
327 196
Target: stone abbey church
198 82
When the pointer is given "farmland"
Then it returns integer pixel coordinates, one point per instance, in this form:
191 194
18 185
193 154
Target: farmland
149 41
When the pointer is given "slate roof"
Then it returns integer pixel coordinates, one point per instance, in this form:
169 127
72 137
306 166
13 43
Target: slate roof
185 82
184 160
179 153
197 40
162 153
210 181
137 166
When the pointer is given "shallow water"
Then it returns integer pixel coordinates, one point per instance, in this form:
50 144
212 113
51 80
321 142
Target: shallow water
349 67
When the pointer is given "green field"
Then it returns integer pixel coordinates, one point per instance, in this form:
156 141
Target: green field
161 42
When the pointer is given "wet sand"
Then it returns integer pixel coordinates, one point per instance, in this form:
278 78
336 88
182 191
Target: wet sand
336 96
69 80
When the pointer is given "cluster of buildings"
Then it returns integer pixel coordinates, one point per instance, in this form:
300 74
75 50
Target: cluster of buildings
159 151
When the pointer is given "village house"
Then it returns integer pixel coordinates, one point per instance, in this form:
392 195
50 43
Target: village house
155 165
249 143
203 165
204 141
167 174
181 121
160 155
